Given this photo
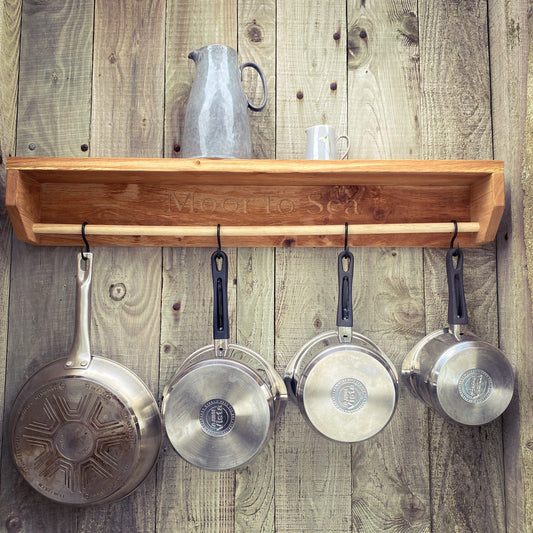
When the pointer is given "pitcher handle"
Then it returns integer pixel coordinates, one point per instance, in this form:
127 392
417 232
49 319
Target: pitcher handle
345 154
263 80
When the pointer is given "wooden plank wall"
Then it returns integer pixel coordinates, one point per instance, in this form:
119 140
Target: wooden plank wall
10 13
512 82
404 79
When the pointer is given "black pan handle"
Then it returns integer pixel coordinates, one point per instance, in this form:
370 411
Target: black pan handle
456 293
344 308
219 267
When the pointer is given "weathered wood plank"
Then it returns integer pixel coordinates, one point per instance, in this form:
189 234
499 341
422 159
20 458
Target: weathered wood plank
390 472
127 120
312 474
128 78
191 499
255 484
53 115
41 318
10 17
254 496
194 499
57 41
512 82
257 43
311 72
466 462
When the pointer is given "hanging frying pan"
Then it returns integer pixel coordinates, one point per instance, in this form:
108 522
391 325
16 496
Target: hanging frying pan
84 429
220 408
345 386
463 378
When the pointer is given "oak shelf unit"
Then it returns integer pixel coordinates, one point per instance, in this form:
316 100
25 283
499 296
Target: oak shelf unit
179 202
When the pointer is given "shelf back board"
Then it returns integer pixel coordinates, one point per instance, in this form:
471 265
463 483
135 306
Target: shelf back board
46 196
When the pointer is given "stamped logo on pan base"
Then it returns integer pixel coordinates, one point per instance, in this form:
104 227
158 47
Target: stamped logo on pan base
475 386
349 395
217 417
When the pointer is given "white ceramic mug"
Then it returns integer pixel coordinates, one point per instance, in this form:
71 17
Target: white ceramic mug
322 143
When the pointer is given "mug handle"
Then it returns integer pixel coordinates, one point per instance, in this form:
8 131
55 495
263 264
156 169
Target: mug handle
263 81
345 155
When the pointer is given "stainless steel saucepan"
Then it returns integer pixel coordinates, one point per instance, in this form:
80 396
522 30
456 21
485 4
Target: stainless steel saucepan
462 377
220 408
85 429
345 386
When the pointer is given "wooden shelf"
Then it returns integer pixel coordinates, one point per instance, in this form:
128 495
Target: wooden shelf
179 202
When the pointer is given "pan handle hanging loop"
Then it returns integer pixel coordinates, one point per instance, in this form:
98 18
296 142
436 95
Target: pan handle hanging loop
219 268
344 307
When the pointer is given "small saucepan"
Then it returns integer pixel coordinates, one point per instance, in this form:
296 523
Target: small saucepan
345 386
220 408
85 429
462 377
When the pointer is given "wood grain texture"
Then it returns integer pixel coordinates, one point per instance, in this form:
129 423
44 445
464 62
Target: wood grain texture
128 79
312 474
255 484
248 171
152 192
127 121
10 16
191 499
41 317
311 72
55 66
42 290
195 500
456 122
257 43
510 46
390 481
455 113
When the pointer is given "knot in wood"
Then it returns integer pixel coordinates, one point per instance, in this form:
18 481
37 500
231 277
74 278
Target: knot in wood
13 524
117 291
254 32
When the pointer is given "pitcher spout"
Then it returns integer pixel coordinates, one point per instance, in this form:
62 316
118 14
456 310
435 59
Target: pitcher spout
193 55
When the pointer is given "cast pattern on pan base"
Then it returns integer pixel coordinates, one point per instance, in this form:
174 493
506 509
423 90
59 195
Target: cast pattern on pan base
74 438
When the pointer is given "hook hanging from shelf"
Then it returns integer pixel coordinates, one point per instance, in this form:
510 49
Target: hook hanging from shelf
345 236
452 242
87 248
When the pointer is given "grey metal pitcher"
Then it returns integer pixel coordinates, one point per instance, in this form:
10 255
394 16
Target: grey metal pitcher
216 118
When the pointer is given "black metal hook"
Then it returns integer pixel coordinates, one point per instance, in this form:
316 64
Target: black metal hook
452 242
87 249
346 236
218 238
